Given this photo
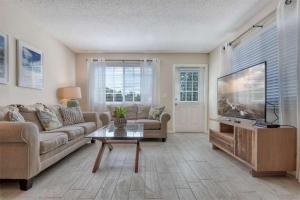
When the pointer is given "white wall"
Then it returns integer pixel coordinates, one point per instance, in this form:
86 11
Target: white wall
167 60
59 61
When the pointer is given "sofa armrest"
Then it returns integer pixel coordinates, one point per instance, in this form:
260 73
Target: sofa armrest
91 117
19 150
164 118
105 118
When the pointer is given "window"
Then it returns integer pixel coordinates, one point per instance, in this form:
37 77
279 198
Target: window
262 47
189 84
122 84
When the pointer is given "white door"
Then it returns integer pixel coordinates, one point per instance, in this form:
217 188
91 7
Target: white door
190 99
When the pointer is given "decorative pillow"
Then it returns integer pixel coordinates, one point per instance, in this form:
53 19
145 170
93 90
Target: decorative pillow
31 108
56 109
155 112
71 115
15 116
4 112
48 119
143 112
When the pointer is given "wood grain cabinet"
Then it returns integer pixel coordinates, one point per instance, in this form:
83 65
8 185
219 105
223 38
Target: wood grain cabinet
267 151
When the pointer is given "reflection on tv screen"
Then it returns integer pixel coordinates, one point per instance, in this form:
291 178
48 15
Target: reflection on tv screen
242 94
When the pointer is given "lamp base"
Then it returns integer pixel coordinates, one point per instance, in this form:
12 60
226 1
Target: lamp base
73 103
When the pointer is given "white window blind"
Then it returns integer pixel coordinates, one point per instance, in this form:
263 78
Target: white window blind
263 46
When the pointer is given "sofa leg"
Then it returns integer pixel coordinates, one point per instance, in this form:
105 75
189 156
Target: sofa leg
93 141
26 184
164 139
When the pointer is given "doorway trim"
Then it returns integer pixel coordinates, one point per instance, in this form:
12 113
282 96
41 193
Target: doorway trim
205 66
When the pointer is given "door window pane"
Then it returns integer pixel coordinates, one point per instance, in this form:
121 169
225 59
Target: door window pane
182 96
182 76
195 86
189 96
195 96
183 86
195 76
189 86
189 76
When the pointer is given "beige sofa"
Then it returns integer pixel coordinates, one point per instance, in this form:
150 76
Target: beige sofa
26 150
139 114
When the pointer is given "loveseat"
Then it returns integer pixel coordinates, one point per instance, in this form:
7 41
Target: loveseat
153 128
26 149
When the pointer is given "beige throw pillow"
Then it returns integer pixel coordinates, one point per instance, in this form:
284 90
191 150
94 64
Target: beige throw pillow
155 112
71 115
48 119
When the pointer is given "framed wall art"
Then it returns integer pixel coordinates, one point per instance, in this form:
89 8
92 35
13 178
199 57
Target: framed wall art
30 66
4 68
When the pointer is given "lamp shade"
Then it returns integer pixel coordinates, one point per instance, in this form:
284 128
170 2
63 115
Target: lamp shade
69 93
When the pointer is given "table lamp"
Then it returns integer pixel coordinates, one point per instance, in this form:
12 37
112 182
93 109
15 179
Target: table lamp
70 95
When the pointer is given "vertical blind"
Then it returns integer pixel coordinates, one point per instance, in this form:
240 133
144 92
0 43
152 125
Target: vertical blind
262 47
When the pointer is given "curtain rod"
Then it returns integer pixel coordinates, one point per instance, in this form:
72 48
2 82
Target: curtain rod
259 24
119 60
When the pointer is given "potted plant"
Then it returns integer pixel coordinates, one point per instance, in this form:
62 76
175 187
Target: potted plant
120 121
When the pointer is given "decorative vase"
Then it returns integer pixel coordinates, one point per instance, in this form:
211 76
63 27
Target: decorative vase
120 122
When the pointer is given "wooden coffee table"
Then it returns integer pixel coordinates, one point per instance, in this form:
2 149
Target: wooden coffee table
108 135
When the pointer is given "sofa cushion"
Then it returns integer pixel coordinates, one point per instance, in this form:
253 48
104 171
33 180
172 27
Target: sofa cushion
32 117
48 119
87 126
131 110
51 141
143 112
71 115
150 124
72 131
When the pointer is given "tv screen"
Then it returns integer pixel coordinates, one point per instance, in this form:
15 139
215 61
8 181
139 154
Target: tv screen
242 94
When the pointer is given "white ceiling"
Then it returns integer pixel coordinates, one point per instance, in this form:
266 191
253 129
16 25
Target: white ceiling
142 25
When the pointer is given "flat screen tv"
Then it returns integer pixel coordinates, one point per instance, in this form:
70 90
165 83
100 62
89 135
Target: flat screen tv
243 94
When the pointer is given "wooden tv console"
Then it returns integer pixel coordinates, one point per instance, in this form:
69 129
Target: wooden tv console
267 151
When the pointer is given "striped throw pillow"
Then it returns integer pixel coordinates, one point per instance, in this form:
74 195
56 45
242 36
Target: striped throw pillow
15 116
71 115
48 119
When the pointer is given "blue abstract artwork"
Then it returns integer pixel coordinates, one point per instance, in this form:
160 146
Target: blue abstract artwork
30 67
3 59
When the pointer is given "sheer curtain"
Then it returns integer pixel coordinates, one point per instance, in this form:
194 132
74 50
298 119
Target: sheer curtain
288 25
96 96
149 87
150 82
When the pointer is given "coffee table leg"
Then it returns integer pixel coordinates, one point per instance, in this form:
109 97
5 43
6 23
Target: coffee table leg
137 157
99 157
110 147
